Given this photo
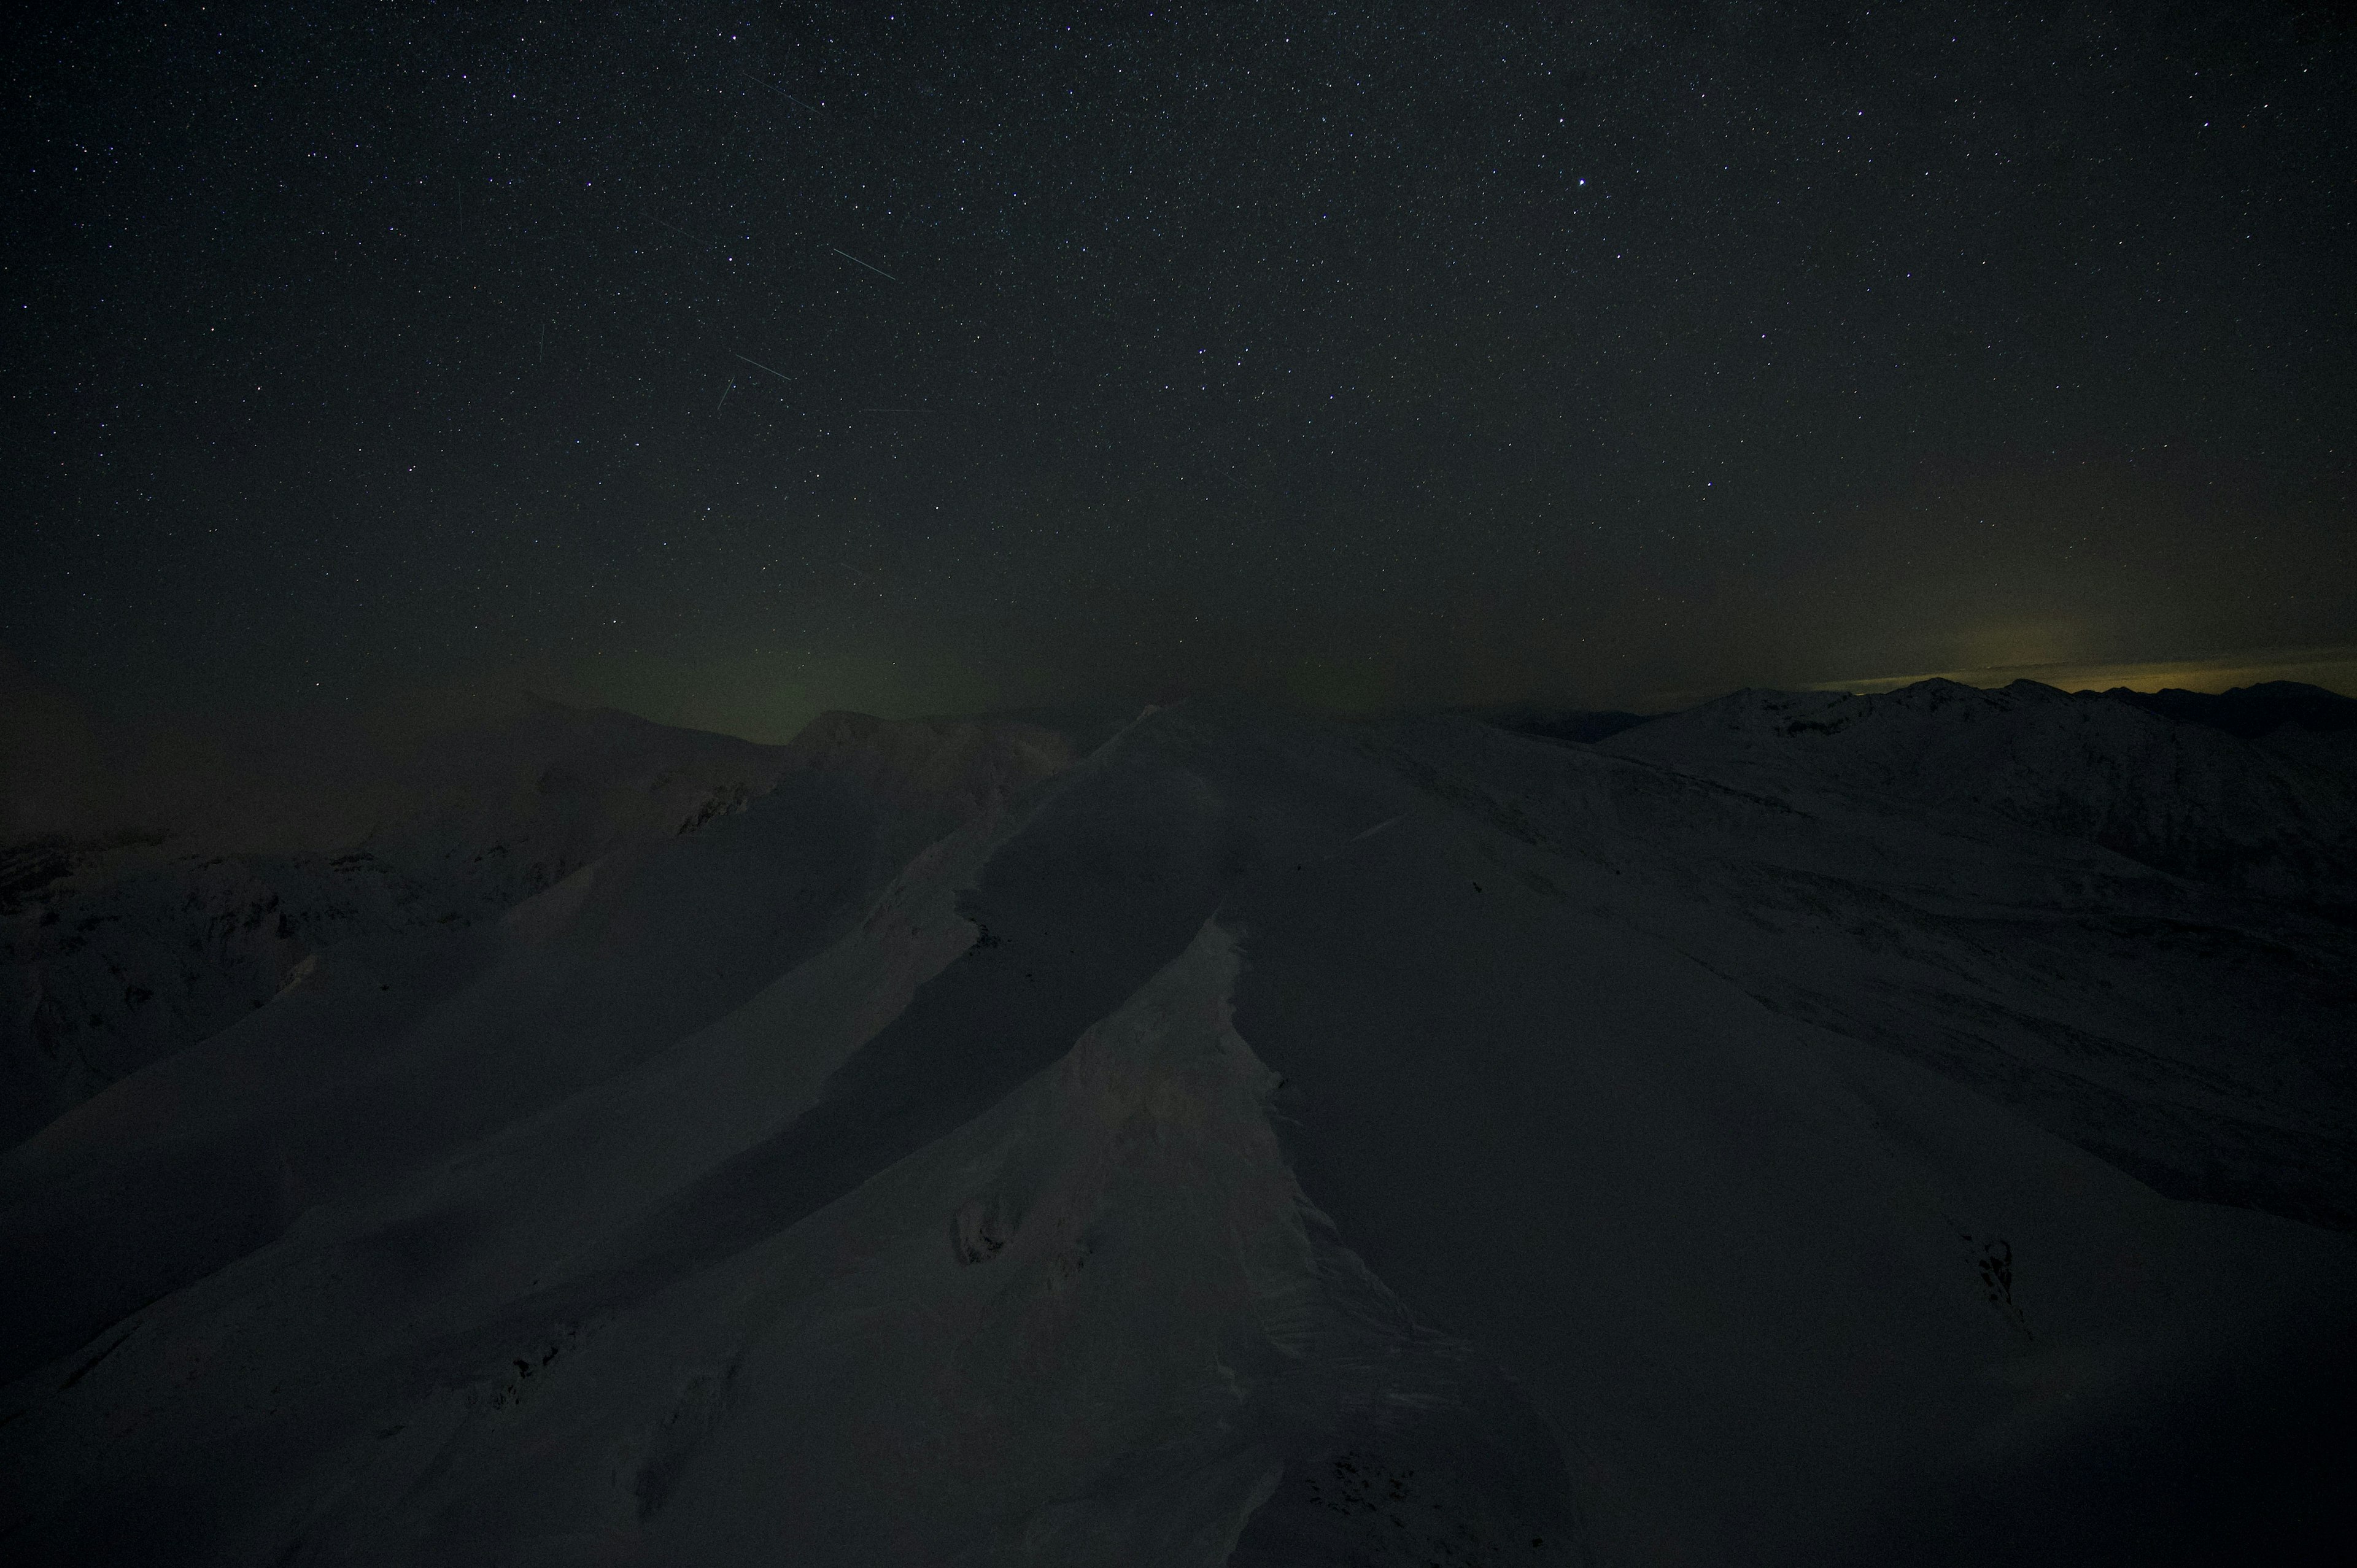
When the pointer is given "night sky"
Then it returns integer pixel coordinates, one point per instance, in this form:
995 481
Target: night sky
725 363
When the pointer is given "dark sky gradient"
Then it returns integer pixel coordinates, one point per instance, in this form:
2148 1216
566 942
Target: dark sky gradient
1375 353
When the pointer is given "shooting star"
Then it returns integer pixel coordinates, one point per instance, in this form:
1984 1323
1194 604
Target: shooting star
678 231
778 91
724 395
893 411
847 256
758 366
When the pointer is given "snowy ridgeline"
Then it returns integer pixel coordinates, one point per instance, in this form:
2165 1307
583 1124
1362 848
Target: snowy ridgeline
1913 1128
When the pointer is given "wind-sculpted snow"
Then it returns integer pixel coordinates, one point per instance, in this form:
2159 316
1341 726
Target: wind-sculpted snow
1262 1141
381 1054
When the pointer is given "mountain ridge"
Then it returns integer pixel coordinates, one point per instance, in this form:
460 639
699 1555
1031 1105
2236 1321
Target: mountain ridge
1262 1138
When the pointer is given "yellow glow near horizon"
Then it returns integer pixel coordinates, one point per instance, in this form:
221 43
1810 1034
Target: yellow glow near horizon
2334 669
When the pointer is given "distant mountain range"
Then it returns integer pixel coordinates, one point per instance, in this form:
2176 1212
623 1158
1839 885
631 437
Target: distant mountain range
118 951
2187 798
1805 1129
2251 712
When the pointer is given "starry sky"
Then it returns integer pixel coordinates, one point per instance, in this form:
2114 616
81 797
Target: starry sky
730 362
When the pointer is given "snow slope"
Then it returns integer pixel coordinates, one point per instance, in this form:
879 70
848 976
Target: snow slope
119 950
362 1066
1261 1141
2254 712
2185 797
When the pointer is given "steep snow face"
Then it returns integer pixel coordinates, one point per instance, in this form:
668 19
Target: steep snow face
1259 1141
114 955
2188 797
382 1050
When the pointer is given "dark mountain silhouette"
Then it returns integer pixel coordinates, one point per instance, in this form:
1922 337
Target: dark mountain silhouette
1585 726
2249 712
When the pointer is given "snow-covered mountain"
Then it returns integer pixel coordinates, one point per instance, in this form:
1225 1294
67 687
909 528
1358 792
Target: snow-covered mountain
1262 1140
2252 713
2187 797
2305 722
120 949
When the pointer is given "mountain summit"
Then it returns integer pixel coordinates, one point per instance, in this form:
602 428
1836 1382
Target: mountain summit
1819 1130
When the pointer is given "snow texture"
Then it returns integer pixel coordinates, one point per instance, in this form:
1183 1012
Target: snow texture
1804 1130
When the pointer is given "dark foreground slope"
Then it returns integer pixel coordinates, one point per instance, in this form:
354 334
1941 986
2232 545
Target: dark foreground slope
1263 1142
